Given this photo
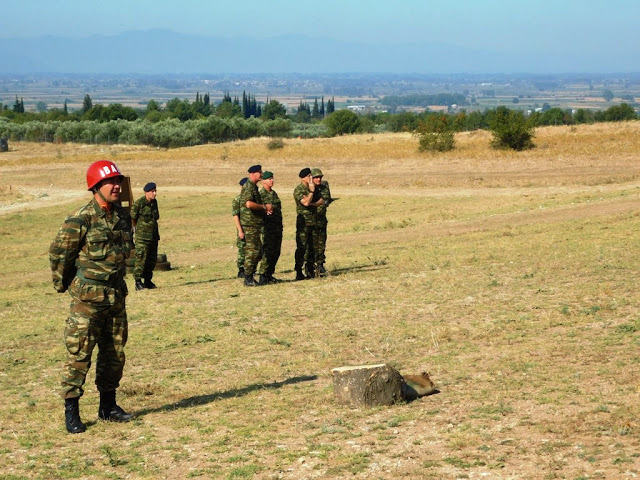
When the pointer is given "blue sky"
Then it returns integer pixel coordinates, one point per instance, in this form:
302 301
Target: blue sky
565 27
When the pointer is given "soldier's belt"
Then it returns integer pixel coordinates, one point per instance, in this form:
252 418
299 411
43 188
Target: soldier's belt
112 282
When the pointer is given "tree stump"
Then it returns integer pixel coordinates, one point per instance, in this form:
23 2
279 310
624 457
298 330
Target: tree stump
368 385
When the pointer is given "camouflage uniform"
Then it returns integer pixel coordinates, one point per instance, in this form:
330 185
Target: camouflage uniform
320 237
240 242
88 258
252 222
272 238
305 227
146 214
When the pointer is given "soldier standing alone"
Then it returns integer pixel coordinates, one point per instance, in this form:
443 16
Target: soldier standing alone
272 237
144 220
87 258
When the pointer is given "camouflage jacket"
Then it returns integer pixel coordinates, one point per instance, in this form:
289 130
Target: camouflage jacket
146 215
248 217
235 206
323 191
275 219
91 245
308 213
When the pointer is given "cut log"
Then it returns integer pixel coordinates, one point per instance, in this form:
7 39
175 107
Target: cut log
367 385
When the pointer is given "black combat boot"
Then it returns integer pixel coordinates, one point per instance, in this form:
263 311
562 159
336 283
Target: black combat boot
149 284
311 271
321 270
300 275
263 279
241 272
139 285
272 279
249 281
109 409
72 416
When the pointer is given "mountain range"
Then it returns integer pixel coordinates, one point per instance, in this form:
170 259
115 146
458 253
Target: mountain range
166 52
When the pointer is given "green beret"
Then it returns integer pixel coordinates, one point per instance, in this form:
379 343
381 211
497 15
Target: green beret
267 174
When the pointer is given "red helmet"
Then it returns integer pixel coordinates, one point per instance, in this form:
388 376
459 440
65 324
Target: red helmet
100 170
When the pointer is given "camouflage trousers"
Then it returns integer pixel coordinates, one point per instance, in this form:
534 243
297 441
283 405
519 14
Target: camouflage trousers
98 316
240 243
252 248
272 246
320 239
146 259
305 252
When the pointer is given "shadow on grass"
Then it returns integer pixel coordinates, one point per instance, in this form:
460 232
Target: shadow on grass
334 272
214 397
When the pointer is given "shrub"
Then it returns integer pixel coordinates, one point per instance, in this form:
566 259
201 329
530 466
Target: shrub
510 129
275 144
436 133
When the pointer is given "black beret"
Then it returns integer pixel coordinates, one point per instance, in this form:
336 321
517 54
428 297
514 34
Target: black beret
305 172
243 181
255 168
149 187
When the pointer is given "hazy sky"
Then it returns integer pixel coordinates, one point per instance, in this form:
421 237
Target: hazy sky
498 24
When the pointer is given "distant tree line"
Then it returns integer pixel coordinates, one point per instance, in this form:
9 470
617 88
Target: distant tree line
184 123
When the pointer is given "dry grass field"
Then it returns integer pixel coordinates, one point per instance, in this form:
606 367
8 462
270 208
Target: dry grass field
510 276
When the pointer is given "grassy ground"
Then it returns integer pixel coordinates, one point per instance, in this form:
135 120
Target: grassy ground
510 277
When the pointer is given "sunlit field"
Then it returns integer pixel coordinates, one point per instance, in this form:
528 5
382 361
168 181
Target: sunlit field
511 277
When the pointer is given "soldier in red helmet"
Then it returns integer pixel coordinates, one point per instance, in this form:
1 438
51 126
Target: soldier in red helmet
88 259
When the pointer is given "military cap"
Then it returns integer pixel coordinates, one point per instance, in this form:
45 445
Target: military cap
254 168
316 172
243 181
149 187
305 172
267 175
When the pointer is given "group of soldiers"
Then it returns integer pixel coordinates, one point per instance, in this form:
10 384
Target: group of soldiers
88 259
258 219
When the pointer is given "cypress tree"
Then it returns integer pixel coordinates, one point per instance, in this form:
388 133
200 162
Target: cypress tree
87 103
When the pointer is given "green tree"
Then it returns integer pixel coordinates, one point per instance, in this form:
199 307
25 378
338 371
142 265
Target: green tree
607 95
619 113
342 122
331 106
274 109
152 106
583 116
510 129
18 106
87 103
